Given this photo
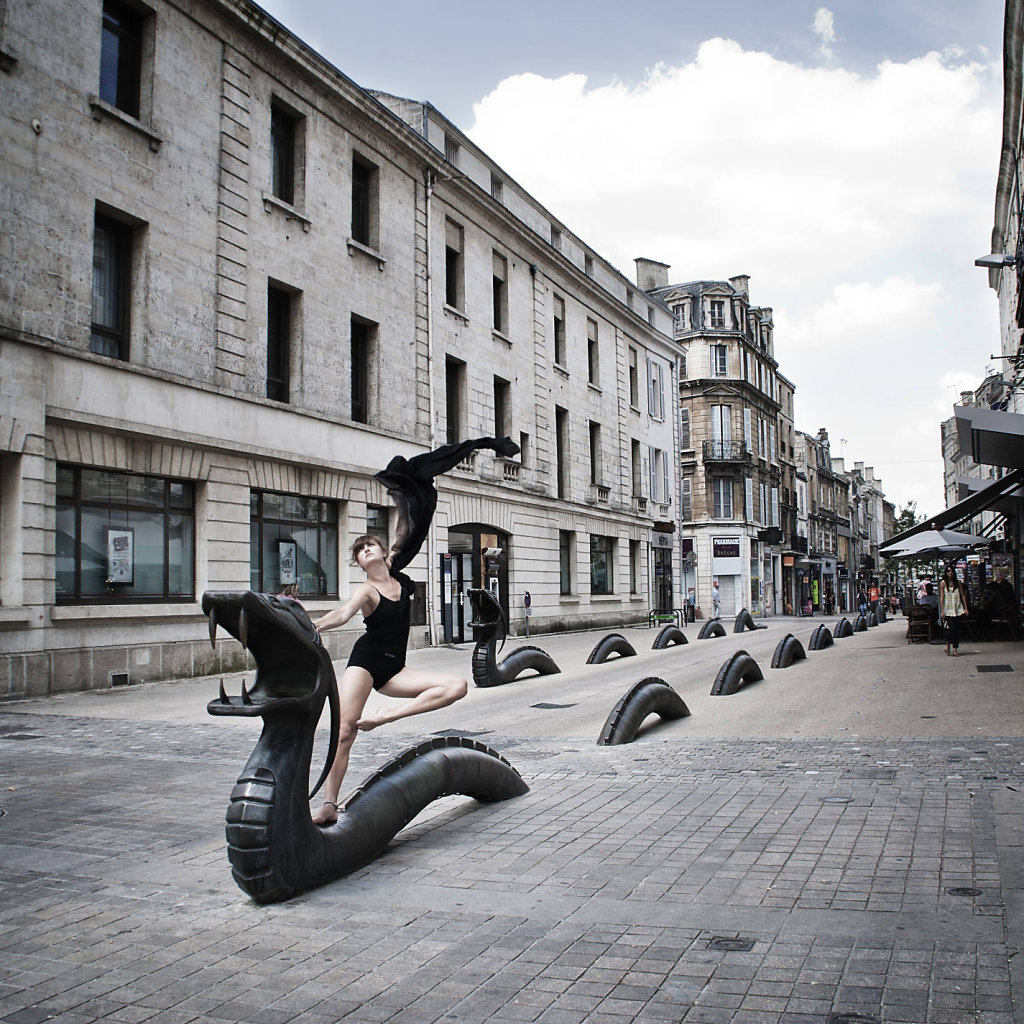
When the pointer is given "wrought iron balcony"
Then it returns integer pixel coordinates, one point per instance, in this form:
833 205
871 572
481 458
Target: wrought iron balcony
725 451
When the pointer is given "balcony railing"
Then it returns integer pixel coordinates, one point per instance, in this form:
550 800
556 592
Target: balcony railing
725 451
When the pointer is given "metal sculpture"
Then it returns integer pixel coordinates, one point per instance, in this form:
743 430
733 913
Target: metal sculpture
667 636
613 643
746 621
711 628
740 668
843 628
788 650
274 848
821 638
860 624
650 696
488 622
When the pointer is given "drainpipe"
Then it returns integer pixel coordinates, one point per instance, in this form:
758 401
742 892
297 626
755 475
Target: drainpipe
432 579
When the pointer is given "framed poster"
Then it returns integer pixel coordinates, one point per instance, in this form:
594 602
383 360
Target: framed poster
120 555
286 554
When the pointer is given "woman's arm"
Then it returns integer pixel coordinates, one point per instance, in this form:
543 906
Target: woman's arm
339 616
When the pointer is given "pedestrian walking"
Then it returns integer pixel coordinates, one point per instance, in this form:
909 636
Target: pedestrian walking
953 604
716 601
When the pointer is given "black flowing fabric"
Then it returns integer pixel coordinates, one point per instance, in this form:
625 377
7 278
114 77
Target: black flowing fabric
410 482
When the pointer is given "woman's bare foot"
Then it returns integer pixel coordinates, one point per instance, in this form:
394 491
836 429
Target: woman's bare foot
327 815
368 722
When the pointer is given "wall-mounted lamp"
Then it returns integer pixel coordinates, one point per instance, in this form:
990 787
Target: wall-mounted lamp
996 261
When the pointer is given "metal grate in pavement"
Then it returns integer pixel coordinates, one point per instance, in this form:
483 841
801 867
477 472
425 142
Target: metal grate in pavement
869 773
994 668
552 707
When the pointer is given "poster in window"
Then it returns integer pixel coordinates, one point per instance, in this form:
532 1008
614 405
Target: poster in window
120 555
286 551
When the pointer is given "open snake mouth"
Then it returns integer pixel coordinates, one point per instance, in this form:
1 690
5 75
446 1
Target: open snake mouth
286 647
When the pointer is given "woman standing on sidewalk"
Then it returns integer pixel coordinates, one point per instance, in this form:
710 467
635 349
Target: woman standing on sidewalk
952 607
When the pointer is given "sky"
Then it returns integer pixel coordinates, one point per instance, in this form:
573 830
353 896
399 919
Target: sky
844 155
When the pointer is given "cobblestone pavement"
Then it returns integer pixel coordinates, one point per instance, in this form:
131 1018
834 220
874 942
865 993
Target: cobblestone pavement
769 880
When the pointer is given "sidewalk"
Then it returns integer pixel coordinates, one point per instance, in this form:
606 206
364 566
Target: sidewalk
840 842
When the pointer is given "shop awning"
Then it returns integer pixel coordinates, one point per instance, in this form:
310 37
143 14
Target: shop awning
1000 494
993 438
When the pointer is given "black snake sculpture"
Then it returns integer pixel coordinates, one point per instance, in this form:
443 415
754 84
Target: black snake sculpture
488 622
274 848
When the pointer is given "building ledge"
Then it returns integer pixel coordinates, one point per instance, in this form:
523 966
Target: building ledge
365 250
101 109
271 203
125 612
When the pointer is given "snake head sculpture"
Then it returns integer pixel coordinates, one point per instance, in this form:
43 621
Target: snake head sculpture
292 666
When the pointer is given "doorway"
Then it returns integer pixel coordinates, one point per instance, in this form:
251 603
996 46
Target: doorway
478 556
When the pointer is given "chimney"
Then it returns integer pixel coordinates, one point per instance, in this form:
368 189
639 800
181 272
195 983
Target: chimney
742 284
651 274
967 398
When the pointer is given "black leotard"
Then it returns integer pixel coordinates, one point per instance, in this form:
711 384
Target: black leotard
381 649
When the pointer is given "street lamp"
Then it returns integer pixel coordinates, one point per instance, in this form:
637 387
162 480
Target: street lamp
996 261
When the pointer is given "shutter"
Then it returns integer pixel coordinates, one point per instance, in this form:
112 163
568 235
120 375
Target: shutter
661 392
775 506
747 430
653 470
650 389
686 499
772 451
664 472
749 496
684 429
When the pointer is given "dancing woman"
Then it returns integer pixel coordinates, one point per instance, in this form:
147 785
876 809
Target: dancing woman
377 661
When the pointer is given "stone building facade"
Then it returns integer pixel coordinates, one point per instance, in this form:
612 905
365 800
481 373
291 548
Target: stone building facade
242 283
731 468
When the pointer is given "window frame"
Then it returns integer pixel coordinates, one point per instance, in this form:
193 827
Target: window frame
283 152
721 489
602 547
365 201
280 319
129 28
186 508
105 335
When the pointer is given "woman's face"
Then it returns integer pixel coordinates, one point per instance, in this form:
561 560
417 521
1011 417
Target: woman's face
370 551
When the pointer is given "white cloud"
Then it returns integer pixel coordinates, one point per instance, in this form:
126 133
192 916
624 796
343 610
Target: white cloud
856 203
825 28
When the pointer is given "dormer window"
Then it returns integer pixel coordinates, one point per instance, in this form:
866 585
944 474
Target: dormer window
717 312
679 318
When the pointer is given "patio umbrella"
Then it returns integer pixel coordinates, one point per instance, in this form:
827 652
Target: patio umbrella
935 543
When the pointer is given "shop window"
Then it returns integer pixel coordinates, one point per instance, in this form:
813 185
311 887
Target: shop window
293 539
123 537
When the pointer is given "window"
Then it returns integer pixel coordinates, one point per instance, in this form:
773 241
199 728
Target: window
364 337
121 57
588 264
454 389
762 504
721 424
502 407
497 187
562 451
293 539
593 353
684 429
634 382
657 490
525 453
451 149
634 566
566 561
556 237
602 560
279 328
656 389
454 274
717 312
499 291
558 328
719 360
364 202
679 318
123 537
283 153
682 367
377 523
636 464
721 487
111 287
596 466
